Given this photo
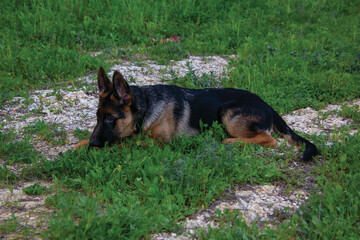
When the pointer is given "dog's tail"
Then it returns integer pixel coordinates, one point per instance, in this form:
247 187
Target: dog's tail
281 127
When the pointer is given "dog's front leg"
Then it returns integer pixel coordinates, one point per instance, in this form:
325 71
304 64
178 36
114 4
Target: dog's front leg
81 144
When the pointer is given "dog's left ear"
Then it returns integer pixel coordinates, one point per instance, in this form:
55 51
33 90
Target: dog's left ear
122 88
104 83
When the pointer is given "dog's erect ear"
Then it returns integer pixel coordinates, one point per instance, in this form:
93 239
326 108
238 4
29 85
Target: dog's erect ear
104 83
122 88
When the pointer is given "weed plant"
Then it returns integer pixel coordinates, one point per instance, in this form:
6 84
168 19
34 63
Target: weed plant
9 225
6 176
36 189
16 151
192 80
52 133
82 134
351 112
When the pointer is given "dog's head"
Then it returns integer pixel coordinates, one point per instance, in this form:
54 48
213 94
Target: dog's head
115 119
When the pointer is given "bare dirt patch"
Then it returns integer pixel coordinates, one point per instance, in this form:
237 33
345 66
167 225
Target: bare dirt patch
28 213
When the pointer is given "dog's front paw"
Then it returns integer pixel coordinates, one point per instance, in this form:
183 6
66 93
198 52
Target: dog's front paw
230 141
81 144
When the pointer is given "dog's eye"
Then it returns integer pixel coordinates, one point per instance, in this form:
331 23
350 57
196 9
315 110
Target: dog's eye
109 117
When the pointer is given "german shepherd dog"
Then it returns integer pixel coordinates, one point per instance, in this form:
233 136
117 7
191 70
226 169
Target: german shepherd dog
164 111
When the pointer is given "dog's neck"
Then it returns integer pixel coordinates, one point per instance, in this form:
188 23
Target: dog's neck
138 108
145 115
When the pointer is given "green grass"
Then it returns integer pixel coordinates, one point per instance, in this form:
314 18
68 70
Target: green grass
52 133
11 224
117 192
351 112
292 53
191 80
16 151
82 134
36 189
310 47
296 78
332 214
142 184
6 176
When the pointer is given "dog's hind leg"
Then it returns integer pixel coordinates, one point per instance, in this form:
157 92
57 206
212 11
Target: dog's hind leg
247 125
262 138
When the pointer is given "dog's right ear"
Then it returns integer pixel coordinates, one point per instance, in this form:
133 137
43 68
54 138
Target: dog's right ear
104 83
122 88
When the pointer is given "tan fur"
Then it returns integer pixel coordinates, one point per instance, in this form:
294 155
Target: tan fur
81 144
103 94
125 126
262 138
238 126
113 98
116 99
164 127
109 110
